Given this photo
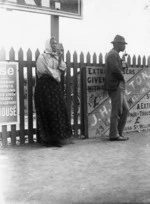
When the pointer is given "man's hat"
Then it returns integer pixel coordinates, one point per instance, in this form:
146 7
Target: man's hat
118 39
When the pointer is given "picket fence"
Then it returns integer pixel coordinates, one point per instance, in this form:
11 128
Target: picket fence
72 84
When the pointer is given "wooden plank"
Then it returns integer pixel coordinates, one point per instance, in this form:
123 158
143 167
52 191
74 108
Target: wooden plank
84 104
4 136
68 85
144 61
94 59
13 134
139 61
2 54
4 127
75 95
81 94
129 61
134 61
88 58
13 127
30 97
100 59
37 53
21 96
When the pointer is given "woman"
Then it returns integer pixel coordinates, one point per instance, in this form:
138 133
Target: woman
53 122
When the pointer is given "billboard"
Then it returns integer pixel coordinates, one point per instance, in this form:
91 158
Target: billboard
99 104
66 8
9 90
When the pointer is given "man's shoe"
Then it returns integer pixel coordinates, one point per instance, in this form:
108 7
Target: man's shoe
119 138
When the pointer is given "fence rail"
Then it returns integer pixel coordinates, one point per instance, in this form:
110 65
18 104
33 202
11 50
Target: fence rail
72 84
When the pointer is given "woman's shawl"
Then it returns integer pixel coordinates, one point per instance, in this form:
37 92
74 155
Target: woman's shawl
48 63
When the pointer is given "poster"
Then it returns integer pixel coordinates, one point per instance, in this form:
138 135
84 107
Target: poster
137 93
9 90
94 91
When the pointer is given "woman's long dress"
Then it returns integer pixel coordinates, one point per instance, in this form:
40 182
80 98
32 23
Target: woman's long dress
53 123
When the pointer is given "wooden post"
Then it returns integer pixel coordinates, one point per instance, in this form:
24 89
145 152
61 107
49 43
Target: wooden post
55 27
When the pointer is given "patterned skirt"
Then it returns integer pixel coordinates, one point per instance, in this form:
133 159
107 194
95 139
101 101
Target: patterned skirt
52 119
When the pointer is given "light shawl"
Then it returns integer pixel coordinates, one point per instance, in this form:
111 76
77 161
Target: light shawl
48 63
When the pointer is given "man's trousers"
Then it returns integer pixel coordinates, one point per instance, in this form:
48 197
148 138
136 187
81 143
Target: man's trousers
119 112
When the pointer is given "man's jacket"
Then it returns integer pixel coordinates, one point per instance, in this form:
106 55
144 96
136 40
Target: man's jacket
113 71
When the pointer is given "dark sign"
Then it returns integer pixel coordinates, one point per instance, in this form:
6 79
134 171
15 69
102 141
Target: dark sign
66 8
9 93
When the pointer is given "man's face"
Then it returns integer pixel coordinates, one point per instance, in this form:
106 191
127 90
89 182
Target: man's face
121 46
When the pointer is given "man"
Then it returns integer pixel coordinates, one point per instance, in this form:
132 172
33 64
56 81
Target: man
115 85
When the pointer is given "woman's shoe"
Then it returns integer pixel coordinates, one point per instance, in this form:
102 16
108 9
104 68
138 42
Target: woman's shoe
51 144
56 144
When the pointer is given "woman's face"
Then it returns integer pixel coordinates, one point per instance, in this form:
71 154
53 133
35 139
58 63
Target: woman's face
54 45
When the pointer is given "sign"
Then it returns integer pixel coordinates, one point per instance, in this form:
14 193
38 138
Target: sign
9 111
94 83
66 8
139 116
137 87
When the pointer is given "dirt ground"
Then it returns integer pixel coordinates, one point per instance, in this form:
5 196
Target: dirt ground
88 172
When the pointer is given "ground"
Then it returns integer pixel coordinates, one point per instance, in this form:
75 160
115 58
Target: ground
90 171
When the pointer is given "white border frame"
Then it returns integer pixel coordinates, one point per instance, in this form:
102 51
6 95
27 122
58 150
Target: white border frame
43 10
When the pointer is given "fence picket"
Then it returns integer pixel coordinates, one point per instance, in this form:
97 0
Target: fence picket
68 85
30 96
13 127
139 61
12 54
134 61
21 98
82 102
94 59
129 61
13 134
4 135
101 59
2 54
88 58
75 94
144 61
37 53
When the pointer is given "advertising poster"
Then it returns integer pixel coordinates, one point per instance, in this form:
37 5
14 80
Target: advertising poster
139 116
9 106
137 93
94 82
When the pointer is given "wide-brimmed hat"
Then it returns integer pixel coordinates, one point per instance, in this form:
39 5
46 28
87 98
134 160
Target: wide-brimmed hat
119 39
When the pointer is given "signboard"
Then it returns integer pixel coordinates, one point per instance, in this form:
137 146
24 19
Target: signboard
137 87
95 81
139 116
66 8
9 106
